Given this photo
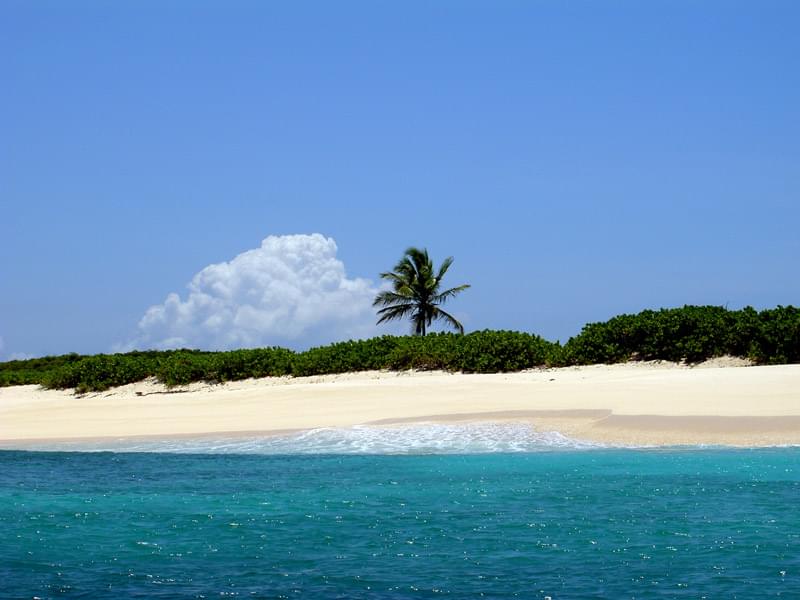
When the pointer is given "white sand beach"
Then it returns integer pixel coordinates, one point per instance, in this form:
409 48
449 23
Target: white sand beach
719 402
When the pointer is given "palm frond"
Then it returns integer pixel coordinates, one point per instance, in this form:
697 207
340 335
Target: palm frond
388 298
394 277
440 314
447 294
420 261
415 291
443 267
390 313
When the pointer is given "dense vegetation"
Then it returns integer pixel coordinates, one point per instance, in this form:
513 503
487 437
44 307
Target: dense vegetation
25 372
691 333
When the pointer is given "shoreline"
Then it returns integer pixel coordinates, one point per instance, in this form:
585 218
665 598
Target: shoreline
630 404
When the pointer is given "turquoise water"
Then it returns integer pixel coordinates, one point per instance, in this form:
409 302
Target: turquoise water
561 523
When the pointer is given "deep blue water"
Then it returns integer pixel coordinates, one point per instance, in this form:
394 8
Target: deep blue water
566 524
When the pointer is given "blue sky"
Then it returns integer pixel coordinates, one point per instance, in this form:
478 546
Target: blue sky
579 159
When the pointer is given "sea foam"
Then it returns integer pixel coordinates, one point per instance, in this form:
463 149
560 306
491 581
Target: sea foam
477 438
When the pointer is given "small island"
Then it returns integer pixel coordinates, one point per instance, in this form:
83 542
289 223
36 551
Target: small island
661 377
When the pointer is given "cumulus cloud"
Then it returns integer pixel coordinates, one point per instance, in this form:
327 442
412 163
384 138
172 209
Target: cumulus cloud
291 291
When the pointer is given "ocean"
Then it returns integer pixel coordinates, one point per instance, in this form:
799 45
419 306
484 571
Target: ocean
490 511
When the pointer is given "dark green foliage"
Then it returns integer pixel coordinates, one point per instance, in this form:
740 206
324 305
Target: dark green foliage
416 292
778 336
691 333
433 351
186 366
477 352
257 362
502 351
103 371
31 371
343 357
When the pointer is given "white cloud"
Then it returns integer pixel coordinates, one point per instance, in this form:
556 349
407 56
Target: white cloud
291 291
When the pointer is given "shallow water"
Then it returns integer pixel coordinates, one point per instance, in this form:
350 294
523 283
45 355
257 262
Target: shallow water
425 438
621 523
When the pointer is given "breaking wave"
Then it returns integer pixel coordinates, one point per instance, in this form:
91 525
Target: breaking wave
479 438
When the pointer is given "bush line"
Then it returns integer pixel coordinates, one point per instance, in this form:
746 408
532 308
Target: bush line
691 334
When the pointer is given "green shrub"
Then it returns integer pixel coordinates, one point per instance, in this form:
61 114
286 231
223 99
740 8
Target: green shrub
259 362
342 357
777 340
502 351
424 353
102 371
33 370
691 333
187 366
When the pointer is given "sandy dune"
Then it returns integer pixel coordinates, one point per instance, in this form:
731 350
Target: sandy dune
639 403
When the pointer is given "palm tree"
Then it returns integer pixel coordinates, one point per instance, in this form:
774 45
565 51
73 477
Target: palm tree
416 292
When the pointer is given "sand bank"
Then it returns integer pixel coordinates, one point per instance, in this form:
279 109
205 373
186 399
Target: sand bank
638 403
